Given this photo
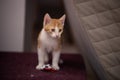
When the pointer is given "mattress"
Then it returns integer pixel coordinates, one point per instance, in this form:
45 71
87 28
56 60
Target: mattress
100 19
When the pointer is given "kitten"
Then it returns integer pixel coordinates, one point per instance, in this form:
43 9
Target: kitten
49 40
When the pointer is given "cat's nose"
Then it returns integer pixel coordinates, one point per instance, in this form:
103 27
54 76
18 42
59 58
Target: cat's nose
57 36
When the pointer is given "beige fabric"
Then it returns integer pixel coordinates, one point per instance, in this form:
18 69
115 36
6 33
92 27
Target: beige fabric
101 19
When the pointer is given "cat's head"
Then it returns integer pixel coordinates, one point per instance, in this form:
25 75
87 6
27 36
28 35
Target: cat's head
54 27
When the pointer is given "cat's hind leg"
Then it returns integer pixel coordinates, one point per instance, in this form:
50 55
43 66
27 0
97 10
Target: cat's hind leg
46 58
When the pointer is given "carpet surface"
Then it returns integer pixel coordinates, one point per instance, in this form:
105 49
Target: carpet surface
21 66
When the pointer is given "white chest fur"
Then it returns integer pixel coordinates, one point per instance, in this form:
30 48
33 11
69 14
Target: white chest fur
47 42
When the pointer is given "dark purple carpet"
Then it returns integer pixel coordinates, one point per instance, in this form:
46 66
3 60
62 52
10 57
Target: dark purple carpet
21 66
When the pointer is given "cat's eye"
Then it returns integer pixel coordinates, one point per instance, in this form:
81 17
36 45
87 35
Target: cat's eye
60 30
53 30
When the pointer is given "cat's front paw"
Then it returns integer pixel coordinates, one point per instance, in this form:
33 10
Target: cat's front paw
55 67
39 67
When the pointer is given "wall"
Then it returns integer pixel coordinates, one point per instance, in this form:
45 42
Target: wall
12 19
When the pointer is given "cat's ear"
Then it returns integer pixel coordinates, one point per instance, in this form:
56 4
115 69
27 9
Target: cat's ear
62 19
47 19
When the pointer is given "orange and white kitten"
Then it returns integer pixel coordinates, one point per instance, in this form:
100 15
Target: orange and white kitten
49 40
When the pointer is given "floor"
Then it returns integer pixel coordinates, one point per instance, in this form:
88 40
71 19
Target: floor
21 66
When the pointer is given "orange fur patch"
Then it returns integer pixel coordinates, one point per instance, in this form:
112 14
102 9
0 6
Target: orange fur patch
53 23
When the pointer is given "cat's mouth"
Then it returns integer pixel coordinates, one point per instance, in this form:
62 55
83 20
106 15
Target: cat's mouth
56 37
